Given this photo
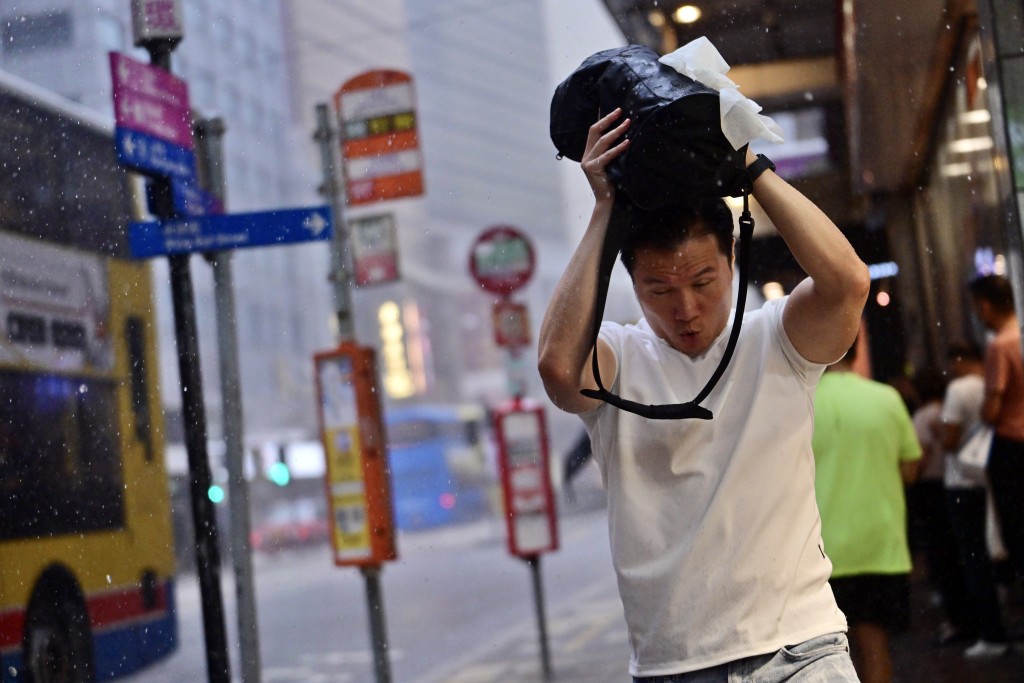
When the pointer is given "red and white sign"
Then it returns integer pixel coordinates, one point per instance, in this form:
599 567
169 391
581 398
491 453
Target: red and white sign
380 145
150 100
156 20
511 324
374 249
502 260
522 438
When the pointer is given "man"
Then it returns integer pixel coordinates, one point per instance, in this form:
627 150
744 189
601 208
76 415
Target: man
975 598
865 450
1003 408
714 528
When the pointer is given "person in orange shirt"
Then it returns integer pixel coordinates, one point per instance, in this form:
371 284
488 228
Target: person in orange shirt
1003 408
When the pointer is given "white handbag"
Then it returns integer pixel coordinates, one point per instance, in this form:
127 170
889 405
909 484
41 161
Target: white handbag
973 454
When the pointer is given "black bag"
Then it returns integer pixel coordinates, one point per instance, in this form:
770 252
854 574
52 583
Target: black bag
676 149
677 152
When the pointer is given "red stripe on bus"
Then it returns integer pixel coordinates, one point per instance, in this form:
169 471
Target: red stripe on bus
105 610
12 623
109 608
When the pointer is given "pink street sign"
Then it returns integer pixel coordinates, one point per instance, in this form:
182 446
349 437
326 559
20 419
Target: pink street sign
150 100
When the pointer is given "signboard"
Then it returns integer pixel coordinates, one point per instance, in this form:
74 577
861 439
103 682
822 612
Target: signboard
501 260
374 249
192 200
54 307
380 146
153 133
150 100
228 231
525 479
511 324
153 156
357 480
156 20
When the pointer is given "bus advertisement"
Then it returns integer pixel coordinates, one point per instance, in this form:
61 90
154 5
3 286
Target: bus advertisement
86 551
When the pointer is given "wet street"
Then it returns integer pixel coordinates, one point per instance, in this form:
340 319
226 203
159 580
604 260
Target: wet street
459 609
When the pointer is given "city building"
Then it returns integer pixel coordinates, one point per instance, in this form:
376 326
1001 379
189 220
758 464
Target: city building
483 79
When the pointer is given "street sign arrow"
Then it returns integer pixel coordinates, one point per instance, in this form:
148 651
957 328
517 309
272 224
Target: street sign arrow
229 231
316 224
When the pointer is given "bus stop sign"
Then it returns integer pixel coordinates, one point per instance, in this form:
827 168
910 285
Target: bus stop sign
502 260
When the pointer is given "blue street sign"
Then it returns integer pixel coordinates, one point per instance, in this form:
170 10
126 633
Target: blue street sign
229 231
153 156
192 200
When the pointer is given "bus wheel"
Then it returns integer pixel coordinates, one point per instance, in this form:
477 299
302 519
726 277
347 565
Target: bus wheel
58 643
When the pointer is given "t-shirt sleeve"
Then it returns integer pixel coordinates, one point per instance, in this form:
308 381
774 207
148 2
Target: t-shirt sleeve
808 371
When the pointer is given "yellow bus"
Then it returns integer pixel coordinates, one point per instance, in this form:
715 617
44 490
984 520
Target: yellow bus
86 550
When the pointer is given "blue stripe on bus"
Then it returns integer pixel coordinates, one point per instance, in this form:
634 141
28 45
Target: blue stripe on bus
118 651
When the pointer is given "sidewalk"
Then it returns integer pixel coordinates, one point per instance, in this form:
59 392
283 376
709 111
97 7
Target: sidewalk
588 644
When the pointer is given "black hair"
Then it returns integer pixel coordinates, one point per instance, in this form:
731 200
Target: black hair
930 383
995 289
667 228
965 350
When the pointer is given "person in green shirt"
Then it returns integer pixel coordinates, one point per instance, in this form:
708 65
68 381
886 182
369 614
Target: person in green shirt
865 450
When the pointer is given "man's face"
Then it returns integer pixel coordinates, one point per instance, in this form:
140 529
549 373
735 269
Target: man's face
685 293
982 311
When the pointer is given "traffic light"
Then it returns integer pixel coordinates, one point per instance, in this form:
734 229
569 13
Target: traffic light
216 493
279 472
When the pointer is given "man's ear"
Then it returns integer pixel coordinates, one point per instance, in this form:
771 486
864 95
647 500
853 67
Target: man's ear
732 255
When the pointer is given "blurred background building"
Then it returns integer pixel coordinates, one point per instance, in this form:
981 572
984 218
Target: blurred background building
908 149
483 78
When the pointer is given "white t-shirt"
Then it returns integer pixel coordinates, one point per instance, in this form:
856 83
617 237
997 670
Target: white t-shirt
714 527
962 406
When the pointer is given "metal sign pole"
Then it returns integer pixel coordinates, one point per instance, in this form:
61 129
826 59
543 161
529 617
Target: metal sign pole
211 132
193 411
538 600
341 278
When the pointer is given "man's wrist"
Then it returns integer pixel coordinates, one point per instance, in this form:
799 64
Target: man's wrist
757 167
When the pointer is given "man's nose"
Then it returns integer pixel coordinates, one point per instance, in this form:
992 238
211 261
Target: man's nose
686 307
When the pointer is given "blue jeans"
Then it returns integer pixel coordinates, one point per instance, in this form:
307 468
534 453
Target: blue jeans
825 659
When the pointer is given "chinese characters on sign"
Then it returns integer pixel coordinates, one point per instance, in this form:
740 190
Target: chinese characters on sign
380 145
156 20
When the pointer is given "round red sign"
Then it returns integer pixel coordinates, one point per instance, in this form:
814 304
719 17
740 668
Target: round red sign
501 259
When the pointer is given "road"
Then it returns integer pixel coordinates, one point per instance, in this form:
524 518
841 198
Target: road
459 609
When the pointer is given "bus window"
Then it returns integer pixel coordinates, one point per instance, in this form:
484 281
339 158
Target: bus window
135 337
60 465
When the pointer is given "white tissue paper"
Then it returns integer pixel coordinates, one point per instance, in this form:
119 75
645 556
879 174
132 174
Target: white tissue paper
741 122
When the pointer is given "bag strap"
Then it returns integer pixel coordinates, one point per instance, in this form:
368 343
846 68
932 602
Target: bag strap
618 224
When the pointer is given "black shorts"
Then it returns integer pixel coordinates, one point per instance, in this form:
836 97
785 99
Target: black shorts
882 599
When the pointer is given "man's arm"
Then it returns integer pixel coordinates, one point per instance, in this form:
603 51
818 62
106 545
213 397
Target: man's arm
992 406
995 385
823 313
565 344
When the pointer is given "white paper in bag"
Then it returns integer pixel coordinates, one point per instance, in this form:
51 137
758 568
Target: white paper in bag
741 122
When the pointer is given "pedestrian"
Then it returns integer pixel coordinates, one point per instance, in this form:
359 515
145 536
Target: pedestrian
714 529
926 506
575 459
974 611
865 450
1003 408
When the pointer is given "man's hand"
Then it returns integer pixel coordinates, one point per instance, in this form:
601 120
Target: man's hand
601 149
